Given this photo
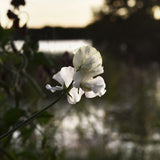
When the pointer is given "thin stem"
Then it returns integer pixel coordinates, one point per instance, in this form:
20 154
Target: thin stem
27 121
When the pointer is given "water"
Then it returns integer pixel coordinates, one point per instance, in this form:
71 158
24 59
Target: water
57 46
124 122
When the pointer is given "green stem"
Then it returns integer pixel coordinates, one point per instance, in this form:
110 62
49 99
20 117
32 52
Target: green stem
30 119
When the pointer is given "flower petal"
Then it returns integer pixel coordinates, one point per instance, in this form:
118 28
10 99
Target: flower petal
78 77
75 95
65 76
53 89
58 78
94 87
92 94
87 58
78 58
88 63
96 71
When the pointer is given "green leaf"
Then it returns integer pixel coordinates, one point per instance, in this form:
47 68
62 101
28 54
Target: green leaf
12 116
44 117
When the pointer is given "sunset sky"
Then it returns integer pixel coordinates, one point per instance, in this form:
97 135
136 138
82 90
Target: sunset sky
66 13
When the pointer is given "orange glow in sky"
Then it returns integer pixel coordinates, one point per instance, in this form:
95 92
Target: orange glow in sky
66 13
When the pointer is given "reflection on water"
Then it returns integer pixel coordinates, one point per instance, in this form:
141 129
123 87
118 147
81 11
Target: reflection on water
67 135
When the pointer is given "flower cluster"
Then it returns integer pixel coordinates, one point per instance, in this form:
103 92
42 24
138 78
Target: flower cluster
87 63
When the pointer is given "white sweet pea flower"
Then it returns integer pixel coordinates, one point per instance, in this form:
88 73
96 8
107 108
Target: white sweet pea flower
65 78
87 63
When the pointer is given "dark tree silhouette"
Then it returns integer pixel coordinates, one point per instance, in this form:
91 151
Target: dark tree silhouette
127 29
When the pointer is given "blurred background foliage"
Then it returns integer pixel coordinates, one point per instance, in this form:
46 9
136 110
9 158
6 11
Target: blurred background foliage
123 124
129 29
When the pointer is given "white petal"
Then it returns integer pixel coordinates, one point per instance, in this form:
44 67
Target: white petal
75 95
53 89
58 78
87 58
97 84
94 87
78 58
92 94
88 63
96 71
65 76
78 77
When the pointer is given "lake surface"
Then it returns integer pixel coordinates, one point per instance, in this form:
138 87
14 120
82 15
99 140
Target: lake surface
57 46
125 122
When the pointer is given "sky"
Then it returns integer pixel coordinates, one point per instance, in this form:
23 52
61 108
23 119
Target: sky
40 13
